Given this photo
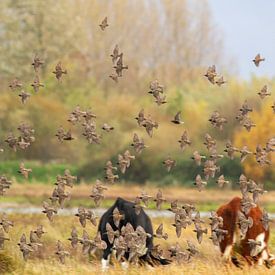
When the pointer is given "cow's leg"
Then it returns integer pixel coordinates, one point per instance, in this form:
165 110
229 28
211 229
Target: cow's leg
106 258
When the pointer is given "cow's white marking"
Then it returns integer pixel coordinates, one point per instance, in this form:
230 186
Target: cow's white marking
263 257
227 252
260 238
105 263
124 265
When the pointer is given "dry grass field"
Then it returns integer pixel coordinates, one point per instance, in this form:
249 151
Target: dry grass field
45 261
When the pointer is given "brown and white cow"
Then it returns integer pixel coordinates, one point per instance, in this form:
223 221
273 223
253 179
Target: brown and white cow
232 242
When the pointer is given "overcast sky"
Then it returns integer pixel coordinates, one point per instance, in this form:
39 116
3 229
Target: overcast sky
248 27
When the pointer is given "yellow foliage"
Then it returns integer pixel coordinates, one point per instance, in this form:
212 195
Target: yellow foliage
264 130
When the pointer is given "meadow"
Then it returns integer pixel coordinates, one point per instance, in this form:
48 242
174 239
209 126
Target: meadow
208 261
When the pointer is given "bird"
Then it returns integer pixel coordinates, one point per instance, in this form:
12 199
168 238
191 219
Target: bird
160 100
174 206
59 71
159 199
145 198
155 87
179 224
217 235
25 247
197 218
114 77
82 214
247 204
258 59
24 96
120 247
61 252
210 168
4 184
11 140
169 163
149 125
254 246
157 252
64 135
273 107
140 117
256 190
199 183
244 223
138 144
200 232
100 186
270 145
198 158
68 178
159 233
217 120
230 149
265 220
49 211
110 177
177 119
2 239
98 243
216 221
192 248
15 83
107 127
115 54
36 84
24 171
37 63
248 123
220 81
221 181
244 153
211 74
34 241
210 142
96 196
39 231
117 217
6 224
111 233
74 238
122 163
119 67
184 140
104 24
264 92
137 205
128 157
245 108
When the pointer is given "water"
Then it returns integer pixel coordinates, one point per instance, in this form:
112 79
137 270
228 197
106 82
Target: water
98 211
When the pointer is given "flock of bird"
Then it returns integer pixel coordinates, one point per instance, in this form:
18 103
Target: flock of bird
129 239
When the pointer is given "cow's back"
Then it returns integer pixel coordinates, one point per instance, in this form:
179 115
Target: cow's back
127 209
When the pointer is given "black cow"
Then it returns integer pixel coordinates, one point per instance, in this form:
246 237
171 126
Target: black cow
127 209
